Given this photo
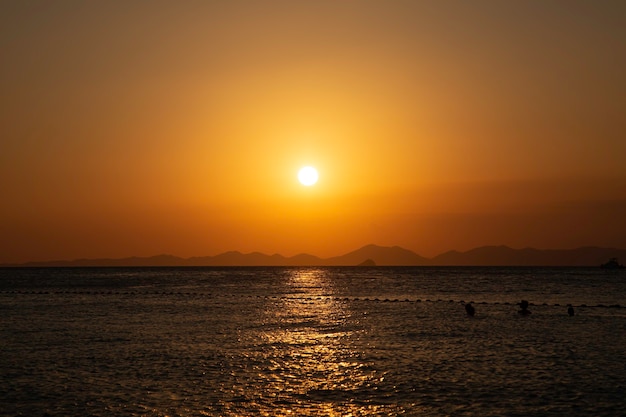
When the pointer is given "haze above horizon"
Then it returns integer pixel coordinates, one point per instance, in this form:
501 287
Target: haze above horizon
135 128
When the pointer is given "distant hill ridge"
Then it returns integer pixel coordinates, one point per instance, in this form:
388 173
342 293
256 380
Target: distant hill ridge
369 255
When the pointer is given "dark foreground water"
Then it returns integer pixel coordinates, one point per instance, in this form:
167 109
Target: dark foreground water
311 342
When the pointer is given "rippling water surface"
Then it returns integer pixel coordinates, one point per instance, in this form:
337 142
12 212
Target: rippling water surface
311 341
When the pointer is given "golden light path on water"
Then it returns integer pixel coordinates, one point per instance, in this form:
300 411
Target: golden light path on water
312 366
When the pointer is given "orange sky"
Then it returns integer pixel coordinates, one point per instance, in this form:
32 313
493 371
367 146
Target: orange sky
148 127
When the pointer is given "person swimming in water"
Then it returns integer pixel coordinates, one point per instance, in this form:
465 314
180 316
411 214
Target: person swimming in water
570 310
470 310
524 308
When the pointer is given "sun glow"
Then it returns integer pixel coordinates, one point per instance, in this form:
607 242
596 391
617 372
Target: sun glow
308 176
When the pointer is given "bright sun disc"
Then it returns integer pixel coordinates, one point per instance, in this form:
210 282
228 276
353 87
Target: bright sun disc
307 176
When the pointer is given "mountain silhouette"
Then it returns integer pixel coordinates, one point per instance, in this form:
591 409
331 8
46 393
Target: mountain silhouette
369 255
381 255
506 256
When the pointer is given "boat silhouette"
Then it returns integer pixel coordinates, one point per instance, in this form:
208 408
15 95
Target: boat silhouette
612 264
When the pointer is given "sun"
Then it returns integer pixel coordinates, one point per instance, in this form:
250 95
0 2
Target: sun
308 176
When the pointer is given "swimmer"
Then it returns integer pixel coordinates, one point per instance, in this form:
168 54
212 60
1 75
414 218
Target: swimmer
524 308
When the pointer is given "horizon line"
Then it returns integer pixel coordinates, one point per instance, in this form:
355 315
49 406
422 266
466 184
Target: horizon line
409 252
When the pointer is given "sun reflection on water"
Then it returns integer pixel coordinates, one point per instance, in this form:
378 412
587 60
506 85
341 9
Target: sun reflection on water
309 366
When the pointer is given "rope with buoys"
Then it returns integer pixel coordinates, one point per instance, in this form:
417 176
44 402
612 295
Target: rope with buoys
288 297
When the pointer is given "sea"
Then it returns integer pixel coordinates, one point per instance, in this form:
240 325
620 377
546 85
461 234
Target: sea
300 341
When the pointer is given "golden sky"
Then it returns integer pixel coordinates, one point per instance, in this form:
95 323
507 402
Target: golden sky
148 127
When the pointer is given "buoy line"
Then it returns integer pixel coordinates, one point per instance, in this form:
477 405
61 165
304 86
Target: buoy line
291 297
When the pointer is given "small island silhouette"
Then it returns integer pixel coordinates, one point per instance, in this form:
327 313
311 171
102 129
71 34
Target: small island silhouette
367 262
